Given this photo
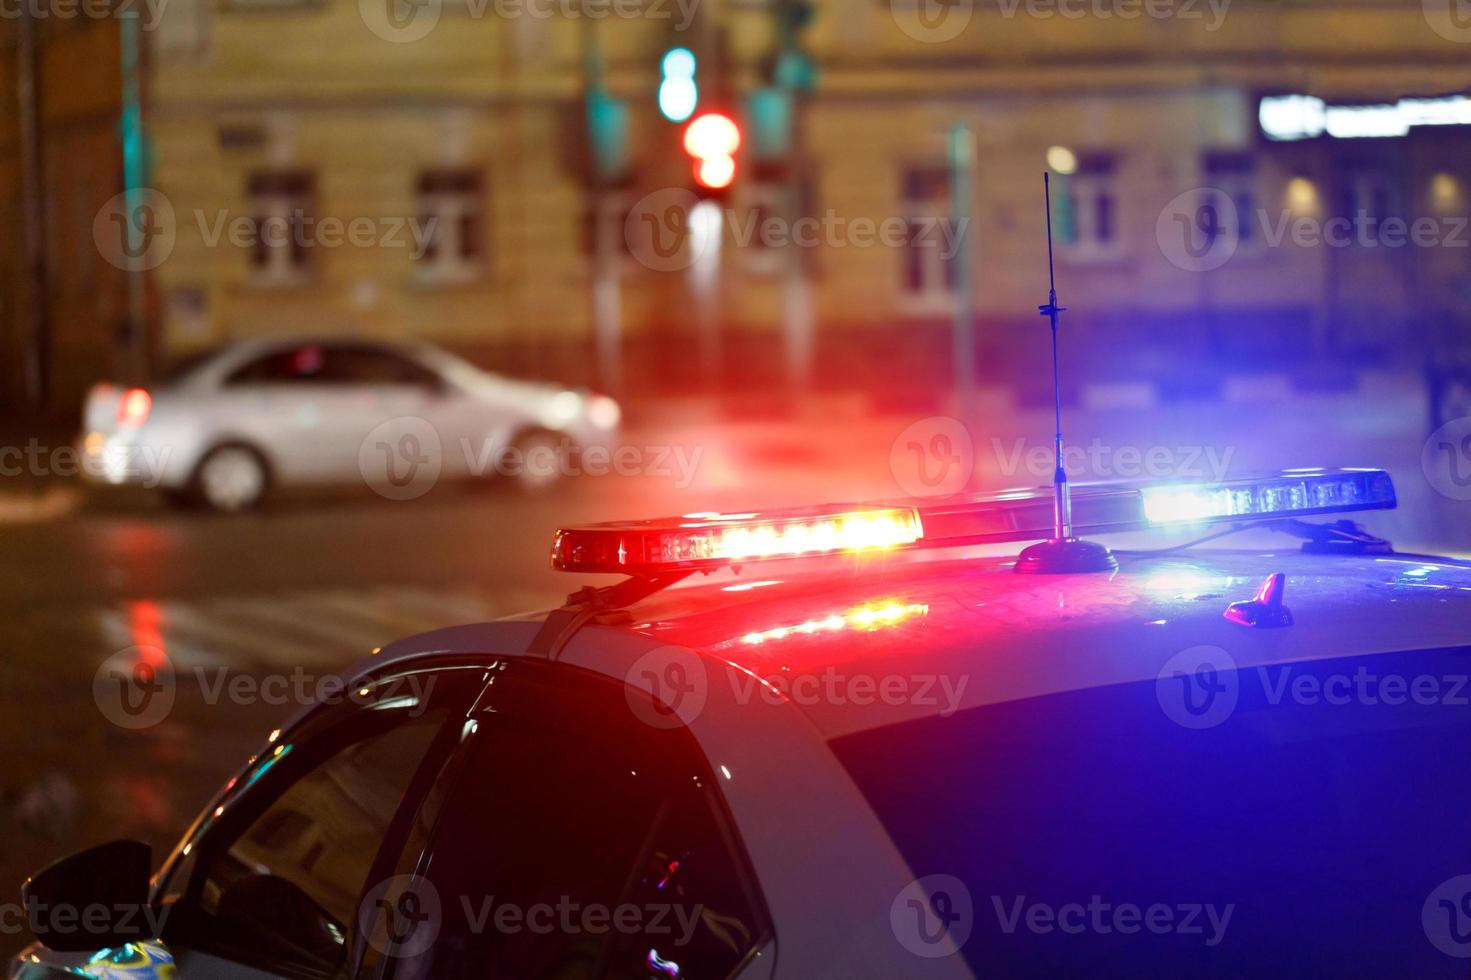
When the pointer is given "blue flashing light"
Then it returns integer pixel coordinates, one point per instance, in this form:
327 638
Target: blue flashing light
1295 492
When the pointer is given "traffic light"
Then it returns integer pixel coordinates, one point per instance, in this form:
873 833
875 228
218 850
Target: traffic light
711 139
678 93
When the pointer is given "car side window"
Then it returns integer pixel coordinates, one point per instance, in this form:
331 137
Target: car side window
372 366
297 364
280 867
579 841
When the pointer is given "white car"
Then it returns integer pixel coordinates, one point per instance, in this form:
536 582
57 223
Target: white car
906 762
260 414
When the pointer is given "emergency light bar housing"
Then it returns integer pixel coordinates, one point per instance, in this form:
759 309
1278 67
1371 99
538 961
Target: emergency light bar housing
702 541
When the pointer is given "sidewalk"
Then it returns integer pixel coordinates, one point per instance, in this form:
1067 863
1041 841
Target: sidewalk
38 463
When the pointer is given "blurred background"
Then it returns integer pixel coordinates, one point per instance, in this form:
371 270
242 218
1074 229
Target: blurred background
800 243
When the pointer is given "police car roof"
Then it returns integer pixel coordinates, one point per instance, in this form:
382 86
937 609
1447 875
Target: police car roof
951 633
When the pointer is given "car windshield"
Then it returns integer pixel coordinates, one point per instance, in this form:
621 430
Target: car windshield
1128 830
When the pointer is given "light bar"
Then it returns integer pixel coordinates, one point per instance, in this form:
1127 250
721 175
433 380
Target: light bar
1293 493
706 540
699 541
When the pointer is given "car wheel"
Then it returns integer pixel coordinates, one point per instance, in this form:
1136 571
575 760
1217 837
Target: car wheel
232 479
537 461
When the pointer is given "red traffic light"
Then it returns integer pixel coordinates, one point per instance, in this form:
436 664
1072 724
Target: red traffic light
712 139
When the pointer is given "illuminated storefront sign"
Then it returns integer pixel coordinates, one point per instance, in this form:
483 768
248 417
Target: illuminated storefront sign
1301 117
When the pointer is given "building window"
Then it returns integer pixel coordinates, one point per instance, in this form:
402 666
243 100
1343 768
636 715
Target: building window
281 206
1367 197
1087 201
452 212
1230 196
928 270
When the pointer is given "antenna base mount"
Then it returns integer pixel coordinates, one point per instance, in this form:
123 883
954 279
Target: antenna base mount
1065 556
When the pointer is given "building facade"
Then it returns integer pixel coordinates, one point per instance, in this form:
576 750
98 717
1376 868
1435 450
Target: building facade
64 310
424 171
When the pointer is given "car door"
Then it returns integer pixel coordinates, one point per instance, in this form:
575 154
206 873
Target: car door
575 840
288 403
405 420
271 881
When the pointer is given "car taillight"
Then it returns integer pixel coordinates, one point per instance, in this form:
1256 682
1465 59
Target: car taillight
134 406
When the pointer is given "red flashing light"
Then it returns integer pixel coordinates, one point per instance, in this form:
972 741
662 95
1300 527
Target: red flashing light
707 540
134 406
711 140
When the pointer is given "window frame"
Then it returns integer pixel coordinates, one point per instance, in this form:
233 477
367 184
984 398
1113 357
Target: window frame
546 681
236 809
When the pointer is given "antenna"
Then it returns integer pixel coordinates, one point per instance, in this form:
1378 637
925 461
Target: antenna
1062 553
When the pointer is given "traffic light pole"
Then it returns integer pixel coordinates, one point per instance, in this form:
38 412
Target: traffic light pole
606 298
963 342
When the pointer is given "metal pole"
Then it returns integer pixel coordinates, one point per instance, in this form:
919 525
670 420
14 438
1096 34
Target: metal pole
963 347
135 181
797 301
36 343
607 286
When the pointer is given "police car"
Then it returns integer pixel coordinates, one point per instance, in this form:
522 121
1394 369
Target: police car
842 743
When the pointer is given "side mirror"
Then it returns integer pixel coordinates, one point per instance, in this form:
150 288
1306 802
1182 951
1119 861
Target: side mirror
96 899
